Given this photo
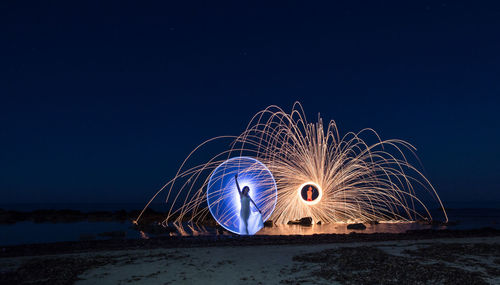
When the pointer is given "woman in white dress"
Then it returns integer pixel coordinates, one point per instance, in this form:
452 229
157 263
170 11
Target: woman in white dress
245 204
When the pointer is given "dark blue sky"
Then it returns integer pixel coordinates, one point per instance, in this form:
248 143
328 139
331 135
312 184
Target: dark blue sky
101 102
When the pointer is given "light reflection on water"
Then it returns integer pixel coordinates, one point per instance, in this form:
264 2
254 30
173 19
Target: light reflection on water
341 228
189 229
29 232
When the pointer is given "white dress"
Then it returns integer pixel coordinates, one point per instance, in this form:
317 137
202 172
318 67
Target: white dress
253 218
245 207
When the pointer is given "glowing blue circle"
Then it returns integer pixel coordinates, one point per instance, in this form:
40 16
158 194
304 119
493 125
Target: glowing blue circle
224 200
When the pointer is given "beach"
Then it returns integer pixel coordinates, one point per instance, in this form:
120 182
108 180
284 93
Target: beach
466 259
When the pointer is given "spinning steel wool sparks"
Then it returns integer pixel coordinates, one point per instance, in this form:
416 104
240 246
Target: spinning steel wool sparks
348 179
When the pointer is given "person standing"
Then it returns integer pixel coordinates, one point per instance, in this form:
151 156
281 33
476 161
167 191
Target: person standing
309 194
245 200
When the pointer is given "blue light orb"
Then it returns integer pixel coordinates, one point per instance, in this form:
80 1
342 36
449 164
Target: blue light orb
224 201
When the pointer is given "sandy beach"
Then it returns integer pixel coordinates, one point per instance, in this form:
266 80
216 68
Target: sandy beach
471 260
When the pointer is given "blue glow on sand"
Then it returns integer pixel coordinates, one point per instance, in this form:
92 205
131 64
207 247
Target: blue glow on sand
223 198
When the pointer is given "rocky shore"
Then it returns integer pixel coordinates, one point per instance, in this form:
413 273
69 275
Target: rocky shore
446 257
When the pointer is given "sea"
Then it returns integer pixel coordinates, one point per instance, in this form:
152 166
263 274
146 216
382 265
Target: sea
463 216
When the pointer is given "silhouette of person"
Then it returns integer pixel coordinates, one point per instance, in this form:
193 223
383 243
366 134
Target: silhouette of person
245 204
309 194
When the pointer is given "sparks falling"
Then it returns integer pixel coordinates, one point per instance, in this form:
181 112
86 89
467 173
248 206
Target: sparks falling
356 181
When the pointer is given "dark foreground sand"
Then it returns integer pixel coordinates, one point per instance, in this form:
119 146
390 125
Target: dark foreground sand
442 260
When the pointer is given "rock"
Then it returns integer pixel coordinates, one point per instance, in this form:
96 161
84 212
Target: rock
373 223
358 226
318 223
307 221
268 224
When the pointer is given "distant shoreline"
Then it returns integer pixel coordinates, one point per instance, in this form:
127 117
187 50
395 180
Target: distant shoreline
70 216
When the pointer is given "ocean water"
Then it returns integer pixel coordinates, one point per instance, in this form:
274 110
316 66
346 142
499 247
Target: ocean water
30 232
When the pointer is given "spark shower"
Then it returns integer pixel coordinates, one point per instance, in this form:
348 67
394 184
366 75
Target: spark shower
349 179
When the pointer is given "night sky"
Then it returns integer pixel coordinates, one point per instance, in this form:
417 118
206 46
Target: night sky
101 102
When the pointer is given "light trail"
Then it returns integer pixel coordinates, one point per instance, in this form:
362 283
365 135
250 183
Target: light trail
359 181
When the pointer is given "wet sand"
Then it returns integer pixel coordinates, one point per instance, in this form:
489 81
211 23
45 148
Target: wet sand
292 265
446 260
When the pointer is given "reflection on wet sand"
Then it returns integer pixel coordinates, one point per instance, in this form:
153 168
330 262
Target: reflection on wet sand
189 229
332 228
341 228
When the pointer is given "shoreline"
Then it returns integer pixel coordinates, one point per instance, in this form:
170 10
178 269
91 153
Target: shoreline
233 240
440 260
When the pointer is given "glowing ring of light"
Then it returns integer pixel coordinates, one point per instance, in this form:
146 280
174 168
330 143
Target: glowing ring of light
223 198
315 201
